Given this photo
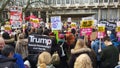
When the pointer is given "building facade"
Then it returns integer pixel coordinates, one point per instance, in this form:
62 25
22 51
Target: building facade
76 9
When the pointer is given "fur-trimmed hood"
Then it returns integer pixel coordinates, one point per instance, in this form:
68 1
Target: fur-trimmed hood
81 50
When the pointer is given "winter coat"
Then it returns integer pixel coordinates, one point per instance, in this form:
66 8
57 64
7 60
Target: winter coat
95 47
76 53
109 57
19 60
22 48
6 62
63 53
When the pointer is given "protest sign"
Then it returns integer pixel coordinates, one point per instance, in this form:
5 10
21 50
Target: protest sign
16 17
101 30
56 23
87 24
35 22
39 43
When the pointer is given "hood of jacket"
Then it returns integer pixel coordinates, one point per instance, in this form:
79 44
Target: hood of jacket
6 59
81 50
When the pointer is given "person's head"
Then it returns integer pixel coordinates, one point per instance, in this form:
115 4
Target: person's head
8 51
107 40
80 44
2 43
44 59
46 32
6 35
83 61
70 38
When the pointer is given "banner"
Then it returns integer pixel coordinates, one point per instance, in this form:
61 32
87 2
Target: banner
16 17
39 43
56 23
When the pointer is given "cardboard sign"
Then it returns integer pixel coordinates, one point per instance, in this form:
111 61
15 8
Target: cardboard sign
85 31
16 18
101 29
35 22
118 29
87 24
73 25
56 23
39 43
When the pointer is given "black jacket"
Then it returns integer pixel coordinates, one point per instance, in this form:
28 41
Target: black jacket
7 62
109 57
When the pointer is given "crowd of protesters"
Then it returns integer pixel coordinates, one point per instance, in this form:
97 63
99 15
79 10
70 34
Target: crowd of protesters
70 51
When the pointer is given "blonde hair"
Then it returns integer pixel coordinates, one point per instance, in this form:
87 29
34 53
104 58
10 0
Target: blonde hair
83 61
79 44
44 59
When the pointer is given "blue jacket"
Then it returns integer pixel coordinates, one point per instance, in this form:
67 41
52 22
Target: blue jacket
95 47
19 60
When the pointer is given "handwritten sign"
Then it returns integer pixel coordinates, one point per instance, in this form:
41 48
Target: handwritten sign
56 23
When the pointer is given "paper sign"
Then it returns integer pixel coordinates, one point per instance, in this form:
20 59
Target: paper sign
56 23
85 31
87 24
73 25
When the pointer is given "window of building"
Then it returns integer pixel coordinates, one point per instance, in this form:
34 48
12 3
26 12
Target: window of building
91 1
54 2
72 1
104 13
115 0
58 1
111 1
85 1
105 1
100 1
67 1
63 1
77 1
50 1
96 1
113 13
81 2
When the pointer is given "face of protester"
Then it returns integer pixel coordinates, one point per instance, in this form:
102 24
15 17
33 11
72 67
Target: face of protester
2 43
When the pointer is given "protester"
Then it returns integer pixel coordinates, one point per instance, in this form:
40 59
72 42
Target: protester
18 57
8 39
96 47
79 49
44 60
109 55
22 46
6 57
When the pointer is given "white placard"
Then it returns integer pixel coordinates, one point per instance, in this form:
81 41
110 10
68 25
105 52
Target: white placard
56 23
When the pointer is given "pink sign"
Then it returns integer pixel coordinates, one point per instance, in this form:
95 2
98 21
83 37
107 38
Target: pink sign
101 34
85 31
118 34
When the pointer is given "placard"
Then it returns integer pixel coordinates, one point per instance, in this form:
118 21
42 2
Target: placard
39 43
16 17
101 30
73 25
87 24
35 22
56 23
